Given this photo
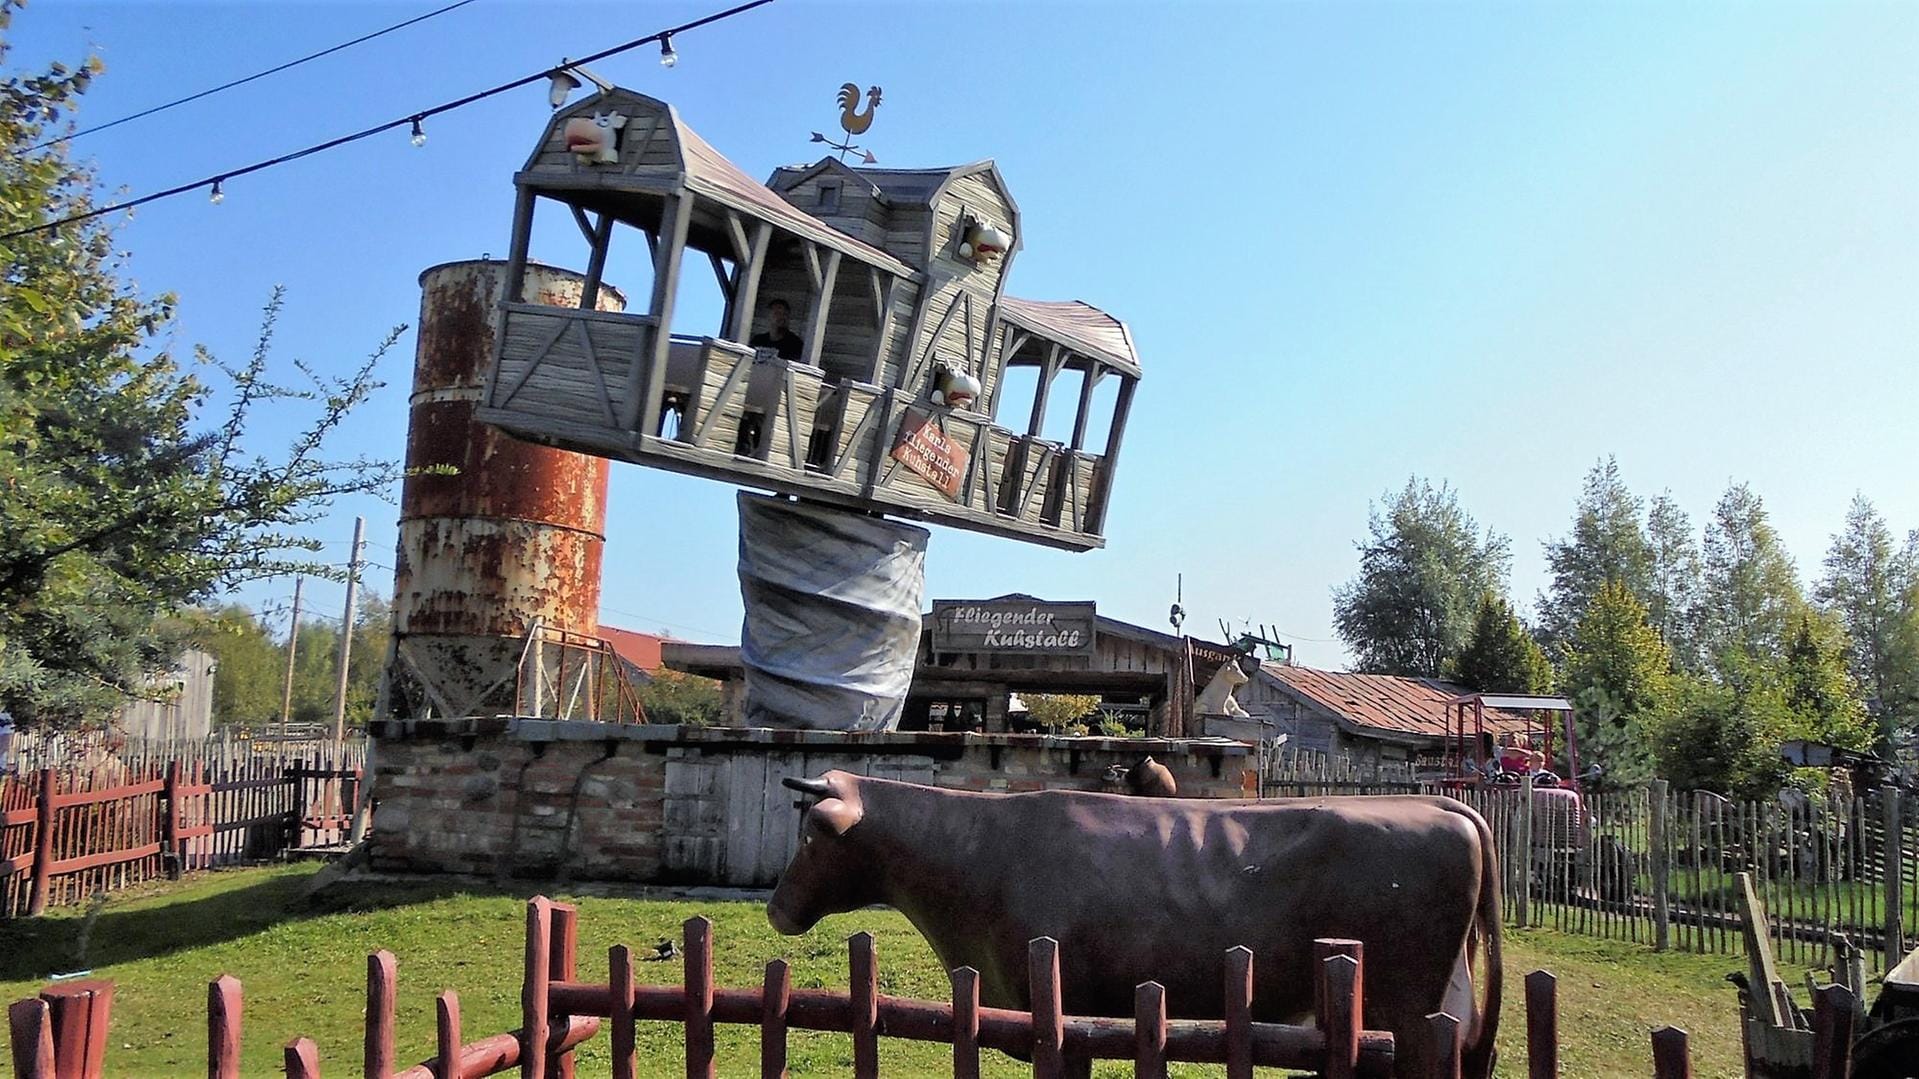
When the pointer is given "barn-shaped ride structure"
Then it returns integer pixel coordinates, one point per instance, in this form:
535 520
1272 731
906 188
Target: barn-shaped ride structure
891 401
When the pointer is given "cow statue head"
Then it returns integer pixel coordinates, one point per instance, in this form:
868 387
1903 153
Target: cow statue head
825 876
953 387
595 140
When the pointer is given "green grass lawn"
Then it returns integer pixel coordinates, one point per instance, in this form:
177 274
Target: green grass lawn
303 966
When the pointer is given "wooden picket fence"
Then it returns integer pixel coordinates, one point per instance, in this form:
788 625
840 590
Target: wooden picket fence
62 1034
69 834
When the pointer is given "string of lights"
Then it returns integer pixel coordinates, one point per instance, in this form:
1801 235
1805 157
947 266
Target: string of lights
175 103
215 184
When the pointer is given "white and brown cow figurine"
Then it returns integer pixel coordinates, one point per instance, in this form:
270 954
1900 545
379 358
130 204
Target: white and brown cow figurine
1157 889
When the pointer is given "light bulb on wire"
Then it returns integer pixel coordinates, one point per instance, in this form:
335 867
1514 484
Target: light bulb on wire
216 196
667 56
419 133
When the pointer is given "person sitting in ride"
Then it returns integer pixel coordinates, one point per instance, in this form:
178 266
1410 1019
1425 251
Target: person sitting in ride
1514 757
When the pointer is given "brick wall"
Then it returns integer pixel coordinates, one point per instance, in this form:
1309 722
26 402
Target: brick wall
661 804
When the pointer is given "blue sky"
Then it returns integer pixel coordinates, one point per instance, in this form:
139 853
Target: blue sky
1483 243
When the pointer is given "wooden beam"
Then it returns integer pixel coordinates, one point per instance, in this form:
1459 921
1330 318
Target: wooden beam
883 285
1109 461
587 229
1054 357
746 288
1094 372
736 235
823 279
646 380
725 280
601 239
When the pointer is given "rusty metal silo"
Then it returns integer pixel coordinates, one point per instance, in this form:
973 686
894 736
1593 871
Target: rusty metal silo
507 535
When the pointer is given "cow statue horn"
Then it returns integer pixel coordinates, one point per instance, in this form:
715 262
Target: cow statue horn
818 787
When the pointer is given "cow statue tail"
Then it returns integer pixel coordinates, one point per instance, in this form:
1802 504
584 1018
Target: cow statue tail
1476 1062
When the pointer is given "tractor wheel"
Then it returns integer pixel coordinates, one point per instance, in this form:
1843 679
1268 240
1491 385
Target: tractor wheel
1888 1052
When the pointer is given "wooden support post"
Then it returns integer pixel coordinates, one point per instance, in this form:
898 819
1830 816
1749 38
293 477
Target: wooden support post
533 988
1523 908
1049 1031
601 238
1542 1025
81 1012
1671 1054
30 1030
1103 477
1239 1013
562 965
882 284
1833 1014
1054 358
302 1059
1444 1036
646 379
224 1003
864 985
446 1036
1338 1018
1761 971
1894 946
624 1035
175 856
1149 1031
697 946
1661 856
746 286
516 253
382 983
824 276
1325 948
965 1023
45 812
776 995
1094 372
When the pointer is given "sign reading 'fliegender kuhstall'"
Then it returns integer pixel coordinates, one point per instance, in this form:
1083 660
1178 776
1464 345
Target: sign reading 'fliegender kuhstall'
1021 627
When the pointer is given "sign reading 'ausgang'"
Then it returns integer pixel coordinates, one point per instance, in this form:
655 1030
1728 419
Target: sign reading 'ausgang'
1025 627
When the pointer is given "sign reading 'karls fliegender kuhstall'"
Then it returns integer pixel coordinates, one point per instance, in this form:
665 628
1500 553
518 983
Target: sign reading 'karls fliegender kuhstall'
1024 627
924 448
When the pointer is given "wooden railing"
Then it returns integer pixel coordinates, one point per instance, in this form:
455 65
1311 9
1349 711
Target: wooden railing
62 1034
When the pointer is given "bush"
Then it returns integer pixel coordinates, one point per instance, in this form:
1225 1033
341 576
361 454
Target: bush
673 697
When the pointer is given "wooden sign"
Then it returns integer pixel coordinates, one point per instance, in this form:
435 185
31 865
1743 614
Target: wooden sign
1013 626
924 448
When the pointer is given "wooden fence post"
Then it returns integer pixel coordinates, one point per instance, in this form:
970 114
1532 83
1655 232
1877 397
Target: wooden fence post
533 988
1671 1055
1239 1013
697 944
446 1036
302 1059
1049 1033
45 812
224 1004
965 1023
1832 1031
1149 1031
1340 1007
624 1035
174 856
1542 1025
382 978
562 965
863 981
776 995
30 1027
81 1012
1443 1033
1523 909
1661 856
1894 940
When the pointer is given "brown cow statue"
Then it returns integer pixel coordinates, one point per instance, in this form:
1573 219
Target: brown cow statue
1157 889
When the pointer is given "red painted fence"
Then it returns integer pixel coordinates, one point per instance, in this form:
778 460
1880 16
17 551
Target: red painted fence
66 835
63 1033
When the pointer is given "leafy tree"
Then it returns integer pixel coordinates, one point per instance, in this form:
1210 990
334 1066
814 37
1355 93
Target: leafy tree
119 507
1421 575
673 697
247 680
1724 736
1672 591
1869 584
1500 656
1055 711
1607 543
1615 669
1818 688
1750 594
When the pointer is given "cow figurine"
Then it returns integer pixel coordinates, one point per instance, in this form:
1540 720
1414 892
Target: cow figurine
1153 889
1147 779
595 140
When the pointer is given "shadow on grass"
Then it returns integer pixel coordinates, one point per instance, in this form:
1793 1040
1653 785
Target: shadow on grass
203 912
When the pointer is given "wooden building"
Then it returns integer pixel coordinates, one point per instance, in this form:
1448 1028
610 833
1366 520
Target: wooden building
1368 718
894 403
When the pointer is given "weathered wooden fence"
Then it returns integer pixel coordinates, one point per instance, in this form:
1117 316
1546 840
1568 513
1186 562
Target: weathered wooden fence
68 834
62 1034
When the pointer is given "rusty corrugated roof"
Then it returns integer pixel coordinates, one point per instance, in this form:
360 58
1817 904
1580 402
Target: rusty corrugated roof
1387 702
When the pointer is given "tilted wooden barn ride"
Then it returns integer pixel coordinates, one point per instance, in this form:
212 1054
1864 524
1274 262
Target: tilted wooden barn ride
896 285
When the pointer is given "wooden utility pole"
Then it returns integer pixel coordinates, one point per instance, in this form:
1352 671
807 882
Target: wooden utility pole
293 646
346 628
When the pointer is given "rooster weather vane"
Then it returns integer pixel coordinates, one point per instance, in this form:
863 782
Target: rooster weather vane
854 122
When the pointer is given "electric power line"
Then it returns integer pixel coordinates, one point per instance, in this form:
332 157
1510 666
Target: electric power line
412 119
250 78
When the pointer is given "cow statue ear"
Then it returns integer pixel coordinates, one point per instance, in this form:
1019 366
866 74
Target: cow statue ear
836 814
